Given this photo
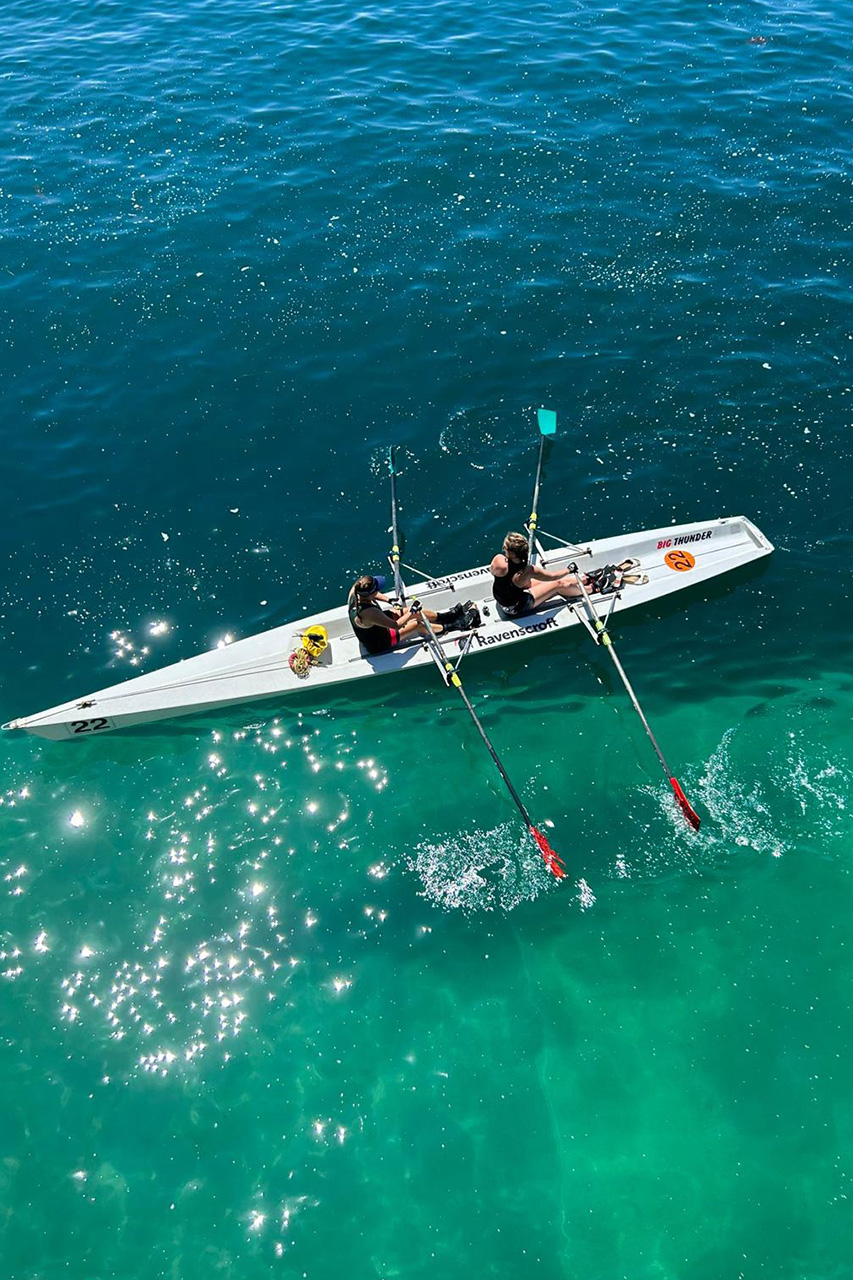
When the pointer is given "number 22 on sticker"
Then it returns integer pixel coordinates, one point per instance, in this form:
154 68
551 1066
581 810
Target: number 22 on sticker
89 726
680 560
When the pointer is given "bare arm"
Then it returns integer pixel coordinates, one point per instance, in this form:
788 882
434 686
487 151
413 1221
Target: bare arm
373 617
500 568
545 575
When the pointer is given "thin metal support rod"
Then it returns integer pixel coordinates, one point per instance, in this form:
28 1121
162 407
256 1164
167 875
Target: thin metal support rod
572 546
540 550
576 610
428 576
469 640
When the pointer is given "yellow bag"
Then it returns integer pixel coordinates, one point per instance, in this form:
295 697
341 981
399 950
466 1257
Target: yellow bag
314 641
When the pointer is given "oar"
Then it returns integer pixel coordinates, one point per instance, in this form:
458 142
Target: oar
604 638
395 550
547 420
553 860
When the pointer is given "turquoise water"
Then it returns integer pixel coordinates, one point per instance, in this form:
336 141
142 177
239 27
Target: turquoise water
287 991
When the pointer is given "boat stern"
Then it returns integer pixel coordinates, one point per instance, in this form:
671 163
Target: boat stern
764 544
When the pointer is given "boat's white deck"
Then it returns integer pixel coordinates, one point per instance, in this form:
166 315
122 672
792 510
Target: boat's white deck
258 667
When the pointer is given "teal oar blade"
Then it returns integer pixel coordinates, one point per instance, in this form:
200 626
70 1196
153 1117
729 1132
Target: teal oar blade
547 419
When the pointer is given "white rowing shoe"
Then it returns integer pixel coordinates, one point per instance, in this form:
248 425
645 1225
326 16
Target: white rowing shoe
258 668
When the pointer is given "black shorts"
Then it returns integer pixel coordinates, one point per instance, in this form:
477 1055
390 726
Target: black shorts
524 606
383 641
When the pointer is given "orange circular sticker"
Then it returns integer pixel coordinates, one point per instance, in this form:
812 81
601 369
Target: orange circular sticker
680 560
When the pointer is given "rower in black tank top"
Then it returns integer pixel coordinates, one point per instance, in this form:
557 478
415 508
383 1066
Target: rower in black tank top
365 595
375 638
512 599
558 586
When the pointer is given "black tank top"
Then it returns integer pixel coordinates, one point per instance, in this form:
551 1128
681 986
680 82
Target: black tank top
376 639
504 589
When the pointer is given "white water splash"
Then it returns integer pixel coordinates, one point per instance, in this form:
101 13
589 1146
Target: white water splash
743 811
822 795
481 870
586 897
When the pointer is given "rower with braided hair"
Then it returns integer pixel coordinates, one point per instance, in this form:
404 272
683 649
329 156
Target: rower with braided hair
382 629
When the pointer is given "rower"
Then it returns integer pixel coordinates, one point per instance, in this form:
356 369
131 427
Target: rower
381 630
519 586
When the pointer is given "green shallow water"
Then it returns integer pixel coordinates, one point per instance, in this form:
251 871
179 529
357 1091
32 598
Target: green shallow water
239 1025
287 991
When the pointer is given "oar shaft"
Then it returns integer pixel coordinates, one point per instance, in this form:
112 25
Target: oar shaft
501 770
604 637
608 644
452 677
534 510
399 589
552 860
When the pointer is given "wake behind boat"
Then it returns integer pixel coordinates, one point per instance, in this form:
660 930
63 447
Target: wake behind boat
259 668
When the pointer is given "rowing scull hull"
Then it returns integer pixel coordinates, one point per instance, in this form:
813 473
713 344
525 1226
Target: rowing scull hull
257 668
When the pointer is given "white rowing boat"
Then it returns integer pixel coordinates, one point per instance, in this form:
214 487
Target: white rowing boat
258 667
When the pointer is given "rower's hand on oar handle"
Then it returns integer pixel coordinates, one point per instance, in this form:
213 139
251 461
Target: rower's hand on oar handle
415 607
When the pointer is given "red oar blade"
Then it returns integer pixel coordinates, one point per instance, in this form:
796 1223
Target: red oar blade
684 804
553 861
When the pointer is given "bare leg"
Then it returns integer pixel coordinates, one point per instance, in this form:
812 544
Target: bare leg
414 625
566 587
